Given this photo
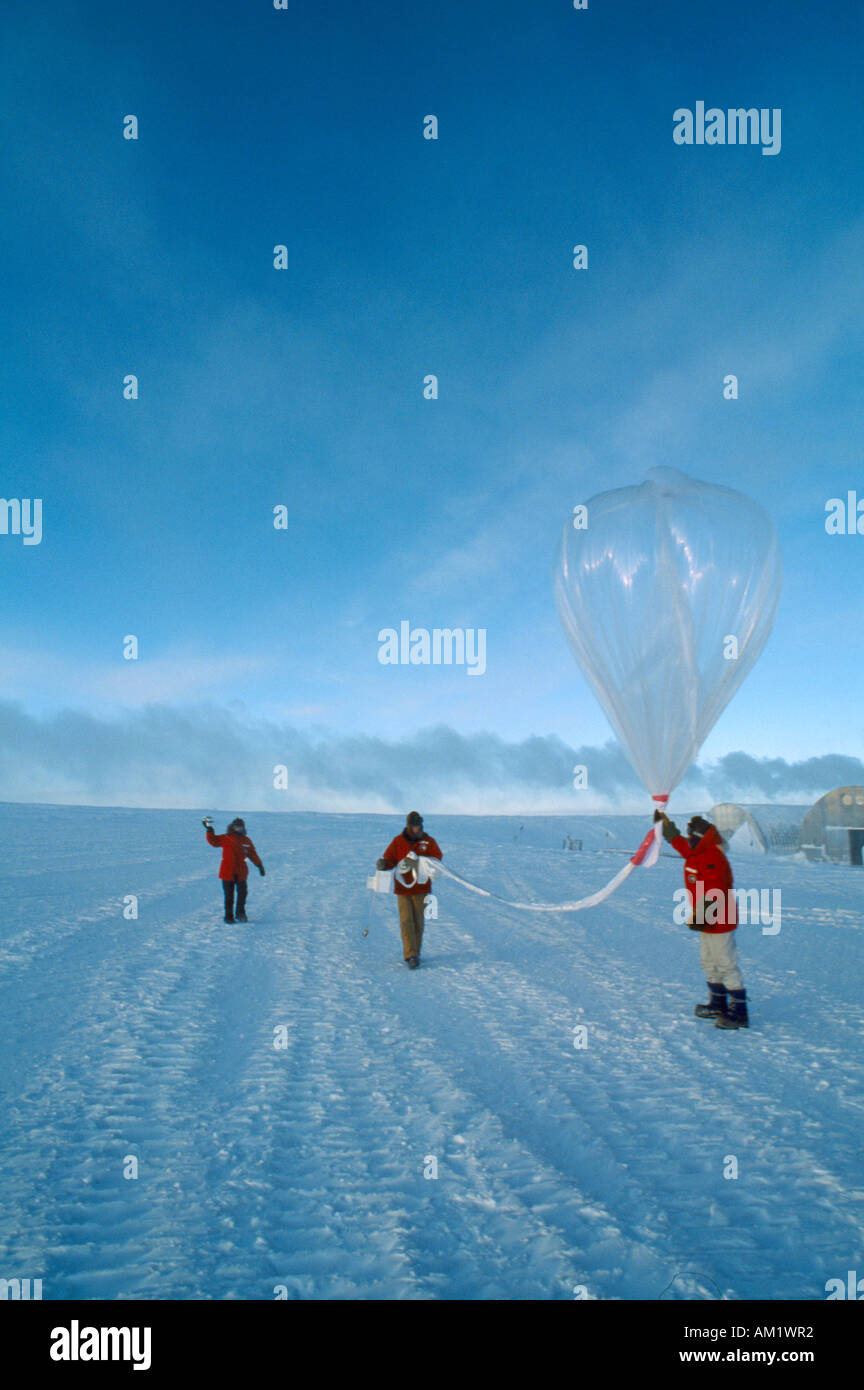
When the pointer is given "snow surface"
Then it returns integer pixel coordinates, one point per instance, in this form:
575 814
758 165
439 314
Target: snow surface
558 1167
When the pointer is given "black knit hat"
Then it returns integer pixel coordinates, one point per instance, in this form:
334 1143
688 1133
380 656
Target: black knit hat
413 818
698 826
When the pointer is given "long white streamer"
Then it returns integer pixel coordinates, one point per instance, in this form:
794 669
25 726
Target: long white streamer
424 869
430 868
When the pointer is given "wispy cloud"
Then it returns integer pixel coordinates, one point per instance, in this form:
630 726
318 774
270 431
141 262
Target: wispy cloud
175 675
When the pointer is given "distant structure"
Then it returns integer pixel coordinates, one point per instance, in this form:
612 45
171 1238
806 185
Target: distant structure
738 827
758 829
833 828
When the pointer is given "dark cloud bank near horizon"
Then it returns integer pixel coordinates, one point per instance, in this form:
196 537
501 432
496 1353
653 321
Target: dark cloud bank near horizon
206 756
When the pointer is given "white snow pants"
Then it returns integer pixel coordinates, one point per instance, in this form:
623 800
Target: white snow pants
719 957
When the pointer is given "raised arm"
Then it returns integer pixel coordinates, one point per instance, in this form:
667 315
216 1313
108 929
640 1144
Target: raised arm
674 836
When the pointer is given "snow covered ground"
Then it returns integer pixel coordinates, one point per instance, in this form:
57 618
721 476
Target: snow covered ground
600 1167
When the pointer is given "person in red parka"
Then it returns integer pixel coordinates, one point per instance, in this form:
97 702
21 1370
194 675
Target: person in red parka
236 848
410 895
713 913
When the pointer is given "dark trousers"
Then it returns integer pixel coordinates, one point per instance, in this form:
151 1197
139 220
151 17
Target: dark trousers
228 886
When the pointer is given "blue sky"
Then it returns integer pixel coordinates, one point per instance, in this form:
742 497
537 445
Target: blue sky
303 387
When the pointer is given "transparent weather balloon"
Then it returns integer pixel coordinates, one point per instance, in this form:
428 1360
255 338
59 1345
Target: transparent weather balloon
667 592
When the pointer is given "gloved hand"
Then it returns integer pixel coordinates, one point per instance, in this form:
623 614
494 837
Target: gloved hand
207 822
660 815
382 864
261 870
407 866
670 830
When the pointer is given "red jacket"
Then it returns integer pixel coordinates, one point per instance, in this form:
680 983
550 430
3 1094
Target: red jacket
705 868
402 845
236 849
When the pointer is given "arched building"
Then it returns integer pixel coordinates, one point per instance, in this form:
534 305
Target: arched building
834 827
739 827
766 827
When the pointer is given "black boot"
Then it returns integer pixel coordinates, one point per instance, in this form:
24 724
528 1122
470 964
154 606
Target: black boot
716 1006
736 1016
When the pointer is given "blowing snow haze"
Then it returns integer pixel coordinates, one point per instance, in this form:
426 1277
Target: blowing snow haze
162 756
